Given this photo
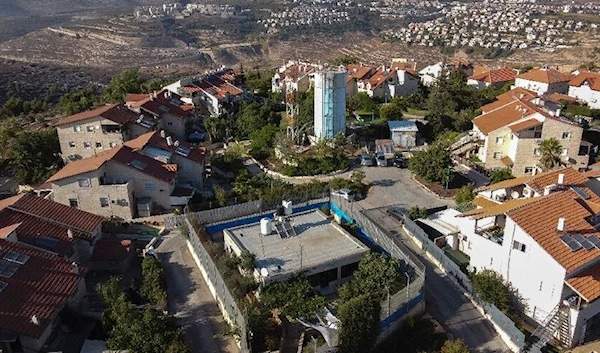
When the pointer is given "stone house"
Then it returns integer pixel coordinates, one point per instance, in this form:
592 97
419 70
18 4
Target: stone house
87 133
116 183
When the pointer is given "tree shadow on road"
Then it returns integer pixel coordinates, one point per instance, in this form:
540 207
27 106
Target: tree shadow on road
384 182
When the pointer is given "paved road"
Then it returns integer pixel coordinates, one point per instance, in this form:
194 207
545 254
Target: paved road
444 302
191 301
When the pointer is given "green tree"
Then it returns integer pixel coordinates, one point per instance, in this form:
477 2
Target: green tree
78 101
433 163
258 81
216 127
362 102
128 81
376 275
465 194
9 129
489 287
13 106
344 60
391 111
502 174
295 298
359 318
455 346
358 175
153 287
34 155
153 84
306 107
254 116
550 152
220 195
416 212
262 141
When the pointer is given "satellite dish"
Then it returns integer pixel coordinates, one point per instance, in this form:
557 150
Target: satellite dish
515 194
264 272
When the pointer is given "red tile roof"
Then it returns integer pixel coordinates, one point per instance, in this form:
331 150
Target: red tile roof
591 78
587 283
55 213
539 220
508 97
40 287
114 112
523 125
558 97
503 116
124 155
112 250
545 76
162 104
504 74
197 154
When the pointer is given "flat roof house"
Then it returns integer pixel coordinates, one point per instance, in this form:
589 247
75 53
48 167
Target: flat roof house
403 133
34 287
304 243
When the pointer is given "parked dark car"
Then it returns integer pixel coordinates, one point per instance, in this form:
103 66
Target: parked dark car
399 161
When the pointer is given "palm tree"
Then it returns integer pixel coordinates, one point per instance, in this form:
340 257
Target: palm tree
550 151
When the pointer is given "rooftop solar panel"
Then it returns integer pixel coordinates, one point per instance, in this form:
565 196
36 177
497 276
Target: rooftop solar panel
572 244
16 257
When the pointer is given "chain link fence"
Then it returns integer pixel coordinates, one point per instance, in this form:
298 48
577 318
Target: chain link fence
441 260
227 304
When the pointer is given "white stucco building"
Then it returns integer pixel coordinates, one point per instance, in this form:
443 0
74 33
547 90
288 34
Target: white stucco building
586 88
544 81
539 233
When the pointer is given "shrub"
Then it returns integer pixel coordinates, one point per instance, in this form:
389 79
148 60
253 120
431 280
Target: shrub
465 194
153 288
416 212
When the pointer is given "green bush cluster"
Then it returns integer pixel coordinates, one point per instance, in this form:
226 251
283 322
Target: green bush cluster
154 286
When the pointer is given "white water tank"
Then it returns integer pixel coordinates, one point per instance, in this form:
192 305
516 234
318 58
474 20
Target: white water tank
287 207
169 140
266 226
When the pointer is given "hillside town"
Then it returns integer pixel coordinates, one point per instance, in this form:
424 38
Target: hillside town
285 205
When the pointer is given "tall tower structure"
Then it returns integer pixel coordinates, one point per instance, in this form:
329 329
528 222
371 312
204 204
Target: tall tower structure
330 103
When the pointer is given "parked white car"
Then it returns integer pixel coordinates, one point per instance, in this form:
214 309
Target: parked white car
344 193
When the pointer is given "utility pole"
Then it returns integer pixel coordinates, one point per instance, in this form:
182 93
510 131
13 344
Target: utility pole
407 285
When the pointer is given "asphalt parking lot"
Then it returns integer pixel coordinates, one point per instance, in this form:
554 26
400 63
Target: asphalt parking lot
394 186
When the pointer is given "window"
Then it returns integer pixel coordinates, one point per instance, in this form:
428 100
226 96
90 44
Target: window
74 203
541 285
491 261
90 129
169 123
84 183
497 155
149 187
529 170
77 128
72 144
499 140
103 202
99 145
564 152
536 151
519 246
87 145
566 135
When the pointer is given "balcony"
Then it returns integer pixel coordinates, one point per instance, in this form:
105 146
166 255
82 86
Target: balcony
113 181
494 233
111 129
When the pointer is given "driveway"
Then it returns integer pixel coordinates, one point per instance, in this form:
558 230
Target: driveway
190 299
444 302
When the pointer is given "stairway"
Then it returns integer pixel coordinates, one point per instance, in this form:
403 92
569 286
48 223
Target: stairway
558 321
464 144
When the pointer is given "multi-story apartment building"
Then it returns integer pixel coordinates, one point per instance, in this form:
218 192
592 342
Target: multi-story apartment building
174 115
118 183
188 158
213 91
88 133
544 80
509 133
540 233
586 88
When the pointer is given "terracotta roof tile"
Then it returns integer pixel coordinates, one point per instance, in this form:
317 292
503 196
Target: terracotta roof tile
508 97
591 78
84 165
539 181
40 287
503 116
523 125
6 231
409 66
545 76
163 103
114 112
587 283
558 97
540 220
197 154
505 74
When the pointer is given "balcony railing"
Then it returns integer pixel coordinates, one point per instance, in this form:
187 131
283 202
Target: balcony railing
493 233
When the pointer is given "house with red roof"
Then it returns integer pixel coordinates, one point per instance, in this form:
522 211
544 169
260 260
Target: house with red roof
87 133
496 77
295 76
119 183
585 87
382 82
540 233
509 132
35 286
49 226
544 80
